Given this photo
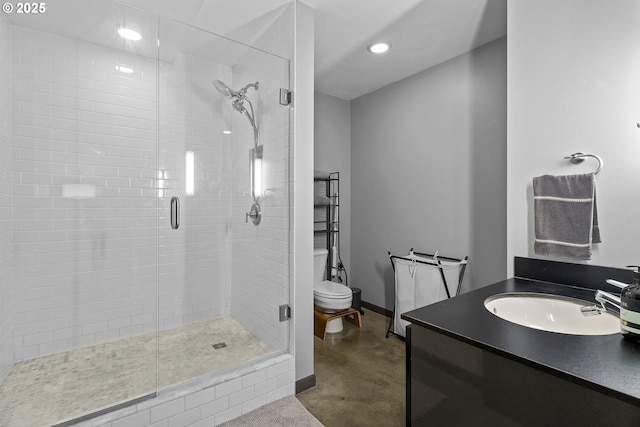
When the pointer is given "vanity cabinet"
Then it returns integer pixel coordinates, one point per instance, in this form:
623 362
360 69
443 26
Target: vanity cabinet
454 383
467 367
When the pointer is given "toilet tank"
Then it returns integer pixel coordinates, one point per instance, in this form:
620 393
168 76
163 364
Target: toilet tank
319 264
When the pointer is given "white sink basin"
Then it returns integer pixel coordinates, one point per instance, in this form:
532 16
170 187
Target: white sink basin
551 313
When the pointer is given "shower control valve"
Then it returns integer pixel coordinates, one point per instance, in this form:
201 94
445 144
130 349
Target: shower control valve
254 213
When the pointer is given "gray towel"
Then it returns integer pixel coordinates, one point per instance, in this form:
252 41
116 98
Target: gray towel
566 217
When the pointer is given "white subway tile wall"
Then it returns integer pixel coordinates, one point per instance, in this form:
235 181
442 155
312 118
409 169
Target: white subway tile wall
194 259
6 176
84 170
84 142
90 158
261 259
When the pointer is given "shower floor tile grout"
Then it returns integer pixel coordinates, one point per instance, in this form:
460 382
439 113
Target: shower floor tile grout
52 388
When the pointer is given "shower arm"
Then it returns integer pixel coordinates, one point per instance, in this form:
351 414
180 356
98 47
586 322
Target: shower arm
242 92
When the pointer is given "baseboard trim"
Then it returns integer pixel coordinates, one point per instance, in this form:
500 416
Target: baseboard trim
305 383
377 309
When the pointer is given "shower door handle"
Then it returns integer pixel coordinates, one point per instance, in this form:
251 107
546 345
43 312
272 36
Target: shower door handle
175 212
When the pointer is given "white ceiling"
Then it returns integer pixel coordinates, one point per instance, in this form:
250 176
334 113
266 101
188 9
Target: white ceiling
423 33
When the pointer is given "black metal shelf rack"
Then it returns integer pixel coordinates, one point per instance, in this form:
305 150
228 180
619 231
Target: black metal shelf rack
327 216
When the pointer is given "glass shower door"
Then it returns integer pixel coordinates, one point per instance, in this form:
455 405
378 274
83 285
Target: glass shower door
84 284
221 278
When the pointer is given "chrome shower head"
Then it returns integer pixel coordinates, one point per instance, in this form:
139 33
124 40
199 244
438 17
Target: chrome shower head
238 98
224 90
227 92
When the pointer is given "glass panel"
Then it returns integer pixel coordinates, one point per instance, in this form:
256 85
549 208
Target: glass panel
83 139
221 278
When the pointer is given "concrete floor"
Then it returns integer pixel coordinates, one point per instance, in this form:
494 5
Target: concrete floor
360 377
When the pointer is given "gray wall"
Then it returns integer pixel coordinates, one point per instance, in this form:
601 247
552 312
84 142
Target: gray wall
573 87
428 170
332 153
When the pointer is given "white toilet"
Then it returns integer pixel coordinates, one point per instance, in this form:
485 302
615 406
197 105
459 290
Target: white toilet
329 297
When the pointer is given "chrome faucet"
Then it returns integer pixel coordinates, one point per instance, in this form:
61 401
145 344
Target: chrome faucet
603 297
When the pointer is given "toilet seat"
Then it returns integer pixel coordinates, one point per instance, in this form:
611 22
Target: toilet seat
330 289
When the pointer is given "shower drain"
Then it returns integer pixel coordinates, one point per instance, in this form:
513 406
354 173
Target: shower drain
219 345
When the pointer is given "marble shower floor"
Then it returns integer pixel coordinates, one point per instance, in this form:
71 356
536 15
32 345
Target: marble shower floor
46 390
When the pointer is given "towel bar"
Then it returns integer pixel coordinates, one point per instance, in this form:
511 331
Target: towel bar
577 158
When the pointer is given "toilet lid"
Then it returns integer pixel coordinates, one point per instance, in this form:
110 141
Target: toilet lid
331 289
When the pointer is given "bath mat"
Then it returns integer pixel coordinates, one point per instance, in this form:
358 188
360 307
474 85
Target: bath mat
286 412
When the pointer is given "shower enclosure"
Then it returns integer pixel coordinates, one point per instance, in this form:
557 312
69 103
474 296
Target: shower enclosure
128 264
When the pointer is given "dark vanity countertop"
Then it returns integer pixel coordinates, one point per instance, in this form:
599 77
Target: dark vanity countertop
606 363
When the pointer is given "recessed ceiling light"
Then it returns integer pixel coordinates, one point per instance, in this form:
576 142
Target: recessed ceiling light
378 47
226 132
129 34
124 69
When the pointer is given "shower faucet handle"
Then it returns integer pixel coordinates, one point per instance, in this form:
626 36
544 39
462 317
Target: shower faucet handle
254 213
